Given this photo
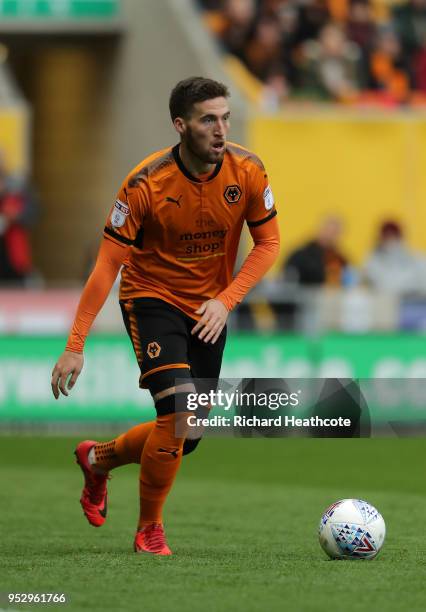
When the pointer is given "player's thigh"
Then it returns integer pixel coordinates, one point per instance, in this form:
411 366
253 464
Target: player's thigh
206 361
160 339
206 358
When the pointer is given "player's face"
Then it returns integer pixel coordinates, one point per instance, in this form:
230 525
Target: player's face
204 132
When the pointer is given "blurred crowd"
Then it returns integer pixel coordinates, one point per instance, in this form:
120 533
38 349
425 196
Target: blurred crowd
391 267
318 287
17 212
350 51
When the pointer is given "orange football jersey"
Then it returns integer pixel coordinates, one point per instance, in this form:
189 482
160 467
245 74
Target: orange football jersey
185 231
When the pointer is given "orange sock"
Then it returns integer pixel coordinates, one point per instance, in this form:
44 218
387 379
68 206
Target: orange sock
160 462
124 449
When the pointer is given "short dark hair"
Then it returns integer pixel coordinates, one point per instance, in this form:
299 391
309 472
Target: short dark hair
195 89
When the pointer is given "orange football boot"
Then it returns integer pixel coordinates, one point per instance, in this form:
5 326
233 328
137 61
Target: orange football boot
94 497
152 540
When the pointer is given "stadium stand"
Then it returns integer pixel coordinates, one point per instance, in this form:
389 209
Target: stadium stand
352 52
278 51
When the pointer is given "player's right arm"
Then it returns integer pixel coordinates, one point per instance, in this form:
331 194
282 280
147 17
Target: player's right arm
119 234
70 363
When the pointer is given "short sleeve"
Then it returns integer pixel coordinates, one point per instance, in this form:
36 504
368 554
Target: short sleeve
261 203
125 220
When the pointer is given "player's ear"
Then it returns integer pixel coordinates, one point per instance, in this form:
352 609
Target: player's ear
179 124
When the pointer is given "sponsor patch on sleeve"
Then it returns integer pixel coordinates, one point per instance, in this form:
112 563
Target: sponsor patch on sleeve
268 198
119 213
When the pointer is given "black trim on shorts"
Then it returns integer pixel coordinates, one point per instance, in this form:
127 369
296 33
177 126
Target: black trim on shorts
122 239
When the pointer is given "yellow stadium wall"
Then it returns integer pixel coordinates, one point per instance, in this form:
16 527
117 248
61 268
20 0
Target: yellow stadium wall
365 169
14 138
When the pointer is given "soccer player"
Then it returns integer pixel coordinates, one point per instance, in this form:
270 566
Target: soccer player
174 229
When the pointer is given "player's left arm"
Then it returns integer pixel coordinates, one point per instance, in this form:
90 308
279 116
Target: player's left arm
266 238
215 312
263 226
262 222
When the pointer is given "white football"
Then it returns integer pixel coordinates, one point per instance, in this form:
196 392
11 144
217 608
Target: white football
352 529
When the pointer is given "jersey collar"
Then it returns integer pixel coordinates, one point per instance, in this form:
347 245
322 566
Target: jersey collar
186 172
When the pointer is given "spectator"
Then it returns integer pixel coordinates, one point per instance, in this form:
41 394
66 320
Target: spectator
313 16
15 252
319 262
275 91
332 65
362 30
272 8
419 67
239 16
409 20
392 267
410 24
264 49
289 18
389 69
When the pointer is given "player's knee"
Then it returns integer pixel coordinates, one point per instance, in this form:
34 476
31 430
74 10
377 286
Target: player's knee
171 390
177 388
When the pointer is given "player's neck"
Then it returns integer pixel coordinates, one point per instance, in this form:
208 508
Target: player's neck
194 164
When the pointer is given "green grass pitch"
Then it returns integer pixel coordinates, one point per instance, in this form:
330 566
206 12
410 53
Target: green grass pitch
242 522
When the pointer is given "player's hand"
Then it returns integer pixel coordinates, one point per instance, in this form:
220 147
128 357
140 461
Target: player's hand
68 366
214 314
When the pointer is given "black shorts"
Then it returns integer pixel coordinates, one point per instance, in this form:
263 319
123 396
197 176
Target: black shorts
162 341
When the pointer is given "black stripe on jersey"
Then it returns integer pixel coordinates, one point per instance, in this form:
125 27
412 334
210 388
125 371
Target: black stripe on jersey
186 172
123 239
138 243
262 221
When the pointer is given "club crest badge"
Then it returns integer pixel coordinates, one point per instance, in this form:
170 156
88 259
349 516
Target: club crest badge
232 194
153 350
